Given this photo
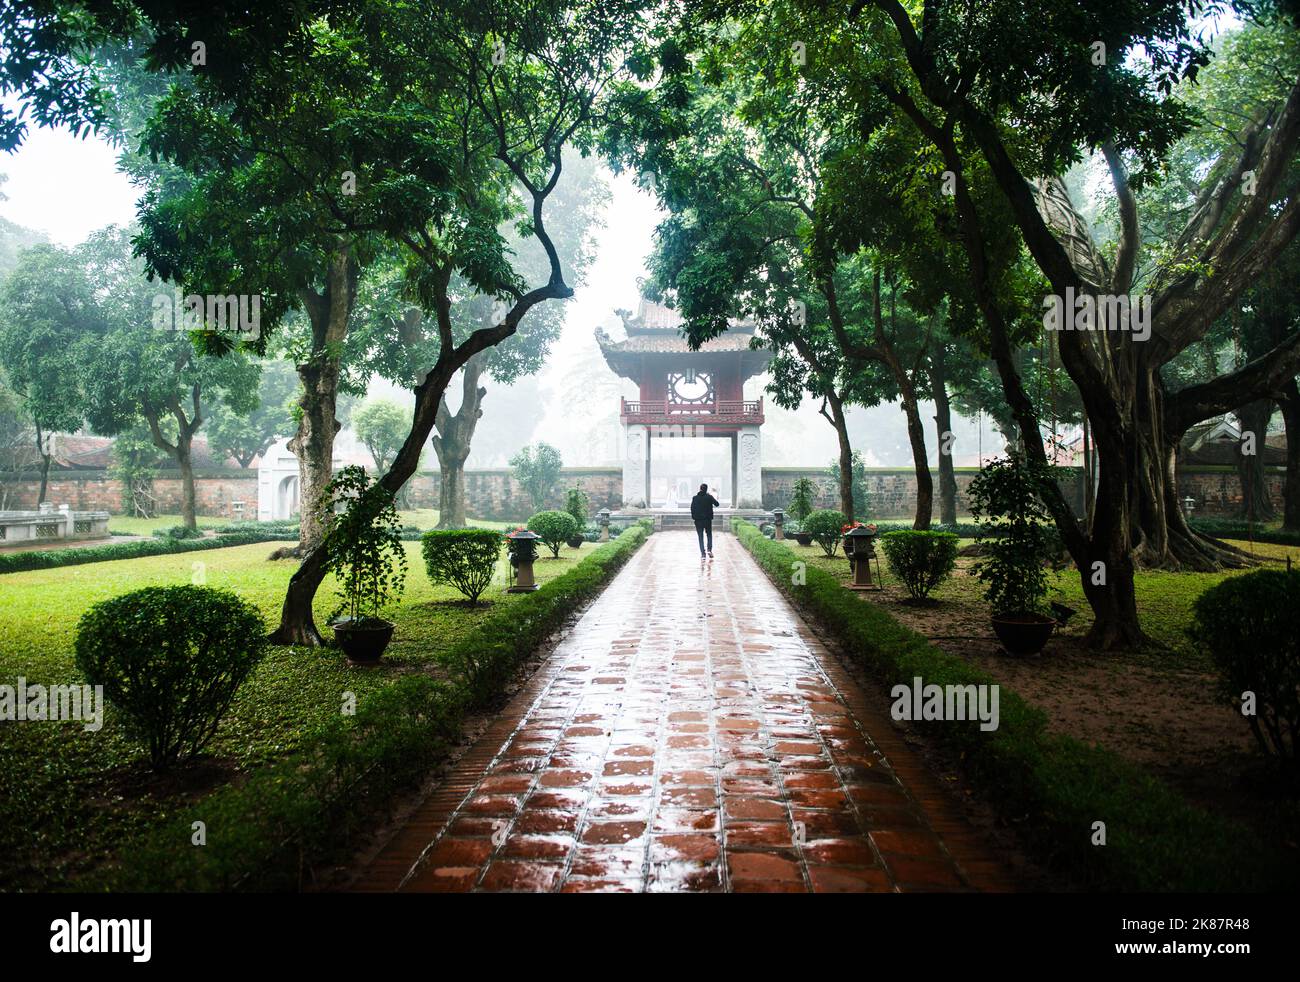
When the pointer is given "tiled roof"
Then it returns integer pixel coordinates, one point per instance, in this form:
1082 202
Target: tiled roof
648 344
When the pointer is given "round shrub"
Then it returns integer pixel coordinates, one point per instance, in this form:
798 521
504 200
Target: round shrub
464 558
555 527
826 528
170 660
1248 625
922 559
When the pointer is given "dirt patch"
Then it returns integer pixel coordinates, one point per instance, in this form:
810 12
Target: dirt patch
1163 717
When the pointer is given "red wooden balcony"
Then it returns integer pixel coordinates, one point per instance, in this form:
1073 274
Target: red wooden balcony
726 412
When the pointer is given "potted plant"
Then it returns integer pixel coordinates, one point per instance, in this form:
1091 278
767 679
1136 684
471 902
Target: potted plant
802 496
1018 538
578 504
364 551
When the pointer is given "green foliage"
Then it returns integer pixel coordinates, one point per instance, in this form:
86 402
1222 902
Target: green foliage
134 464
1223 528
1055 785
802 496
537 469
827 528
921 559
245 435
178 532
861 496
1248 624
1017 530
318 799
465 558
486 662
363 543
555 527
382 425
578 504
170 660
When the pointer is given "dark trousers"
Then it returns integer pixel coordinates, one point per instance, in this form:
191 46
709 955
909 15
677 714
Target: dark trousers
700 529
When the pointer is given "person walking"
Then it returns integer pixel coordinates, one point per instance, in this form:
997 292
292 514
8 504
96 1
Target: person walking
702 506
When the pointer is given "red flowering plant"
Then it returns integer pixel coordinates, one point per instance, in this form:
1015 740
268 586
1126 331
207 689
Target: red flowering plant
857 525
520 549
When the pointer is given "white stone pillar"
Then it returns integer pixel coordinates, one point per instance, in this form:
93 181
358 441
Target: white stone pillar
636 458
750 454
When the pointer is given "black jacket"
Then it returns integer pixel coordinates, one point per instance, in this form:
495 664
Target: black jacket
702 506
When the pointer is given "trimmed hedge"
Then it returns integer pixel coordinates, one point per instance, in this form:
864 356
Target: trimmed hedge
465 558
1248 625
19 562
308 810
1224 528
921 559
170 660
1055 785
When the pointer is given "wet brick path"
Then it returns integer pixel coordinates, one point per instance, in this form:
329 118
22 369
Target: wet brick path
689 734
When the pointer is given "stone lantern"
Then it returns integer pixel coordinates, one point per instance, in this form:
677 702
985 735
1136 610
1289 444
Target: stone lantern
1189 503
602 519
522 544
778 517
860 549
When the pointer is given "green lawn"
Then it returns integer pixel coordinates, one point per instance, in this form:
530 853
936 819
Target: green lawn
1164 598
421 518
69 797
125 525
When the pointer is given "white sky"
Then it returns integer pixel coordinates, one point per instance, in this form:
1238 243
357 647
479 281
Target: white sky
65 187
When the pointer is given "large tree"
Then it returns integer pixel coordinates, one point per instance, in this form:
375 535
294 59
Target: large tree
491 94
245 437
47 307
140 367
1005 96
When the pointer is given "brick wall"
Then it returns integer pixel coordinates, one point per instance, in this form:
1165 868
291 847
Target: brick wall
890 493
494 494
95 491
1218 493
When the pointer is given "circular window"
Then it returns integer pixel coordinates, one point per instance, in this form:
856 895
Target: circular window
691 388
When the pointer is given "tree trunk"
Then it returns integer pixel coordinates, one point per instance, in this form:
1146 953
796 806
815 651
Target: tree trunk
943 429
313 443
452 445
907 390
1089 474
43 448
185 460
1290 405
1256 505
838 420
924 482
